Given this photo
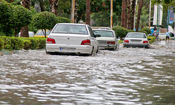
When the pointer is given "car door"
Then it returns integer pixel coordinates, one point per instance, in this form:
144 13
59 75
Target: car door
93 39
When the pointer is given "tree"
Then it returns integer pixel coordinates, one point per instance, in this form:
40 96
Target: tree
24 30
139 14
5 14
54 6
88 12
132 14
20 17
44 21
123 16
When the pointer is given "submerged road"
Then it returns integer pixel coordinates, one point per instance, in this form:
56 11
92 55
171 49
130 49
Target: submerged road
130 76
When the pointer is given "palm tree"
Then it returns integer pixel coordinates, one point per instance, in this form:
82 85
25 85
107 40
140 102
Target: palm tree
123 15
88 10
24 30
139 14
132 13
54 6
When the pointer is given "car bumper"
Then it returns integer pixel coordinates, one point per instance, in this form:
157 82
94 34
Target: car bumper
107 46
135 45
78 49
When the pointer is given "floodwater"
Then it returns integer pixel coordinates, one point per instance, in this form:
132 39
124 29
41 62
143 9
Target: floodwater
130 76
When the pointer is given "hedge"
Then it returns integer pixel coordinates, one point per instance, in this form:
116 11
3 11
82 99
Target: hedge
18 43
151 39
121 31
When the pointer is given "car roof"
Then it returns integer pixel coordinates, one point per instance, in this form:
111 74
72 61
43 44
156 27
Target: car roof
73 23
101 28
137 32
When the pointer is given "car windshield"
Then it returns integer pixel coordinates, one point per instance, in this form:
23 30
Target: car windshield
136 35
103 33
70 29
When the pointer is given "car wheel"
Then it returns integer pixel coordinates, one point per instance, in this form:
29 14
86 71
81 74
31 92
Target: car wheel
147 46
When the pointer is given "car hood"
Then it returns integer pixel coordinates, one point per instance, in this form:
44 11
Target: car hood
106 38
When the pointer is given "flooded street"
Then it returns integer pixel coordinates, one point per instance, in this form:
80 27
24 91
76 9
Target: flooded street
130 76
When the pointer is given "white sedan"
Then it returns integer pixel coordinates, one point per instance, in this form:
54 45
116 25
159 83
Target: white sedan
106 39
136 39
72 38
162 36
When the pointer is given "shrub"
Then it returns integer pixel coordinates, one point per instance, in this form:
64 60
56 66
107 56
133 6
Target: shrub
146 30
7 43
63 20
34 43
17 43
151 39
121 31
1 44
42 43
27 44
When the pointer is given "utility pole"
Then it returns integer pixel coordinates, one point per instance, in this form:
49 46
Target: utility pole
73 12
150 14
111 20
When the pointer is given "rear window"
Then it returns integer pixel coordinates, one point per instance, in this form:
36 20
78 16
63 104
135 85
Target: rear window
103 33
70 29
136 35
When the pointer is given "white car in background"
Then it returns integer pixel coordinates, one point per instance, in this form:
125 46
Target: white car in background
31 34
106 38
162 36
136 39
72 38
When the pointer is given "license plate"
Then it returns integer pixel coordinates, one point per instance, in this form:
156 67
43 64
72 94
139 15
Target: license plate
66 48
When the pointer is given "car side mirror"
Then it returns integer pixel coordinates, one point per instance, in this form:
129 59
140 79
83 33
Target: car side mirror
97 35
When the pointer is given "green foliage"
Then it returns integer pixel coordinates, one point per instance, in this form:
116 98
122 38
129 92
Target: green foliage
5 12
151 39
146 30
21 17
44 20
63 20
1 44
27 44
18 43
121 31
42 43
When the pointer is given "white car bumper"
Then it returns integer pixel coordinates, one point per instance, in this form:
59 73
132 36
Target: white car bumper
79 49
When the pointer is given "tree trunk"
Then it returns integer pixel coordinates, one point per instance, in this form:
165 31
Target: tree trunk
24 30
123 15
88 11
133 6
128 14
54 6
41 3
139 14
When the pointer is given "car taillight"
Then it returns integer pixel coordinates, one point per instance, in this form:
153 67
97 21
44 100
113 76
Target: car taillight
145 41
86 42
50 41
111 42
126 41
